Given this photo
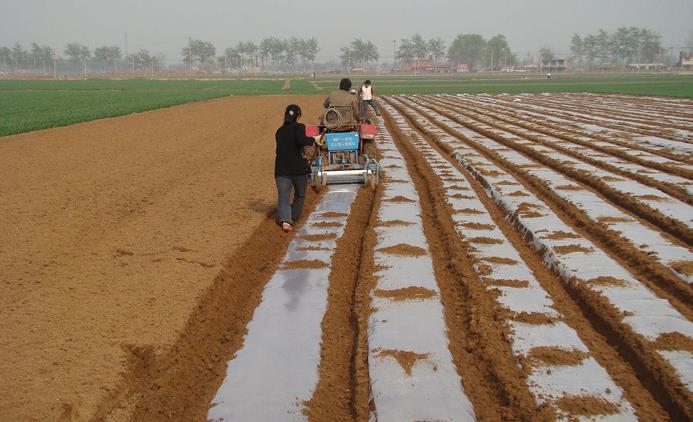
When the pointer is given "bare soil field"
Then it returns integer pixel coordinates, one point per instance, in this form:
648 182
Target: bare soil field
112 232
525 257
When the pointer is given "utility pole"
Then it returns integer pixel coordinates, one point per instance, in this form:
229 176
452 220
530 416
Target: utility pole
126 46
394 54
190 55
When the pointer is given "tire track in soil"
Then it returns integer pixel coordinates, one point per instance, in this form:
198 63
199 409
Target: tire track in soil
647 408
668 188
655 374
335 397
491 378
180 383
655 276
620 199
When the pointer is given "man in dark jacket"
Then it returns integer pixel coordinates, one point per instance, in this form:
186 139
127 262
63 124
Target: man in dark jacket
290 168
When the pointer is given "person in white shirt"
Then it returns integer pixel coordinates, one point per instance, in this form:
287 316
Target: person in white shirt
367 97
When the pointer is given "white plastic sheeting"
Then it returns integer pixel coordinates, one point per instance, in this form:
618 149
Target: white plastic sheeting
432 391
276 370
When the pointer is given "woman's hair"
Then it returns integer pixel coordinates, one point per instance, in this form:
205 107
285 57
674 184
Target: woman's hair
368 82
345 84
292 113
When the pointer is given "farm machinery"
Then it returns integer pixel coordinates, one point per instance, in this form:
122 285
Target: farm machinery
342 153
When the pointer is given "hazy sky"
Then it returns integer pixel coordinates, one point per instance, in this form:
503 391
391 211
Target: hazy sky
162 26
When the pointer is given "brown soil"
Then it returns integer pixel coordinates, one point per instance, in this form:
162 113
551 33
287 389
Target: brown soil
518 193
569 187
327 224
673 341
559 235
477 226
607 281
399 199
331 214
305 264
406 293
499 260
114 233
468 211
564 250
531 318
613 220
683 267
506 282
554 356
485 240
318 237
586 405
393 223
404 250
406 359
460 196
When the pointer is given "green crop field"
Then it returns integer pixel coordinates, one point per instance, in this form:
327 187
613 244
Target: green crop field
27 105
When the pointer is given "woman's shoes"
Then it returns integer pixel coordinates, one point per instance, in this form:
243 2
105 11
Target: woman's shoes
287 227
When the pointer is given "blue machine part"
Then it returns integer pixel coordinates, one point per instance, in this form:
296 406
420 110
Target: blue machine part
342 141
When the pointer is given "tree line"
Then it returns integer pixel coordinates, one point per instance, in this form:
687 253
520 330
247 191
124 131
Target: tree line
626 45
245 55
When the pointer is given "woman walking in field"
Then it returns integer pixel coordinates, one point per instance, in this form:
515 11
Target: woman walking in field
290 168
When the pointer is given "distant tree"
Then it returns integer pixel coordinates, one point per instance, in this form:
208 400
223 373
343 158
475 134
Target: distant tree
363 52
108 55
292 47
577 49
277 50
497 52
78 53
232 58
436 48
5 56
419 46
603 46
589 49
265 50
546 55
309 50
18 56
650 46
405 50
467 49
200 52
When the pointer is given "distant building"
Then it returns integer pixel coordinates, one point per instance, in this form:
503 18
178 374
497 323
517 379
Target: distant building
555 65
423 66
686 60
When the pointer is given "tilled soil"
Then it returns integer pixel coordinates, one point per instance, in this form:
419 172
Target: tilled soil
133 276
116 233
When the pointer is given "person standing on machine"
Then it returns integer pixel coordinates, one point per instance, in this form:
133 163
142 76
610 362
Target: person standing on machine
367 97
290 168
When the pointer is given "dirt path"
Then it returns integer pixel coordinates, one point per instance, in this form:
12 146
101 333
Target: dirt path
113 231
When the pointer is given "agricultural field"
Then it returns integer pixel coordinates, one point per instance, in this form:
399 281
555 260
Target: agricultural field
27 105
525 257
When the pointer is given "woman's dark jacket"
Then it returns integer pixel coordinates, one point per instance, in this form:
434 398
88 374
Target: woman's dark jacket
291 138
